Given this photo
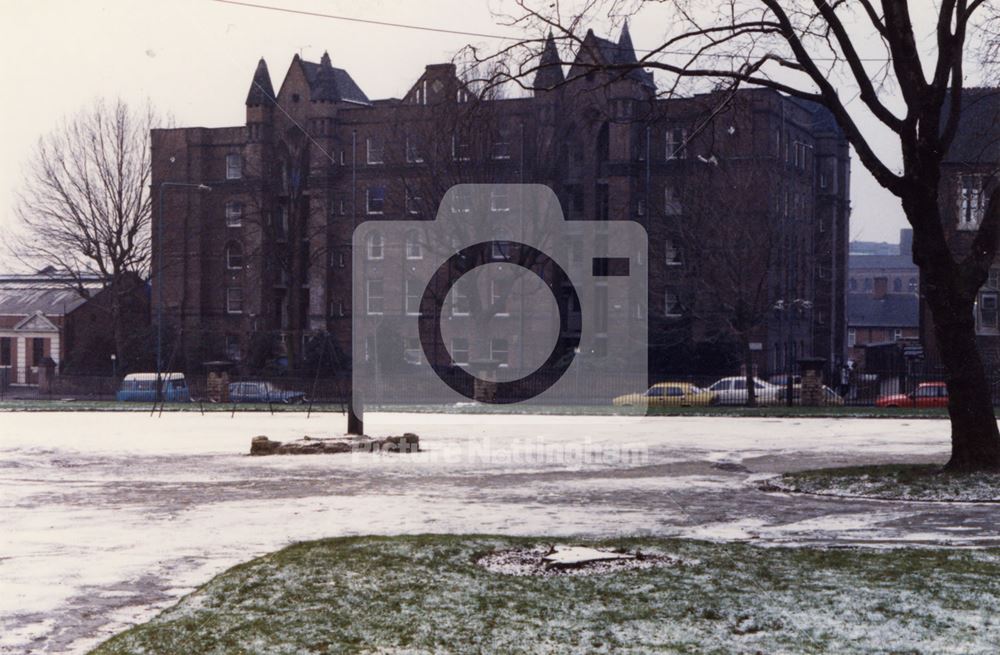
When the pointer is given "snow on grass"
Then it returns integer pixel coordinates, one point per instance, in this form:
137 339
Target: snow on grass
892 482
426 594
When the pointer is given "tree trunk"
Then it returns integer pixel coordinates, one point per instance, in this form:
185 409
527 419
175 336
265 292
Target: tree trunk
975 442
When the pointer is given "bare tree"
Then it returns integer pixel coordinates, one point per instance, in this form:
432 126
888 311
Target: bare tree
84 206
816 50
744 271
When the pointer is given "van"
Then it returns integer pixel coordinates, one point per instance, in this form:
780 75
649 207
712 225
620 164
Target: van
142 387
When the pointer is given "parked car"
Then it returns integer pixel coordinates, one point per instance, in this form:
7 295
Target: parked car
733 391
927 394
141 387
263 392
683 394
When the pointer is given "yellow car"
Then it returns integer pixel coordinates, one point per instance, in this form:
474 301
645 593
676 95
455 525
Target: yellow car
683 394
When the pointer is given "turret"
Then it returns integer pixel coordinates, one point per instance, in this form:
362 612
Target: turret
549 74
261 92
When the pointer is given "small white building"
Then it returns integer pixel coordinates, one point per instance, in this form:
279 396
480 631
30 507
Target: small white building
33 309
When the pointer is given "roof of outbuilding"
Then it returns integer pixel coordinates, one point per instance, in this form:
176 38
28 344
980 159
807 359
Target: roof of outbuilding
897 310
24 300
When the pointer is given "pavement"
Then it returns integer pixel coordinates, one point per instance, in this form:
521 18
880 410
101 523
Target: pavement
111 517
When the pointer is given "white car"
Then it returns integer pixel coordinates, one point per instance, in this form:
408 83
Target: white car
733 391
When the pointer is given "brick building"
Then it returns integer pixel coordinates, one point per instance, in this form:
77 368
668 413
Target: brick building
256 267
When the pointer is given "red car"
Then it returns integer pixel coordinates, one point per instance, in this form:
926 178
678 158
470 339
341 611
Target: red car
927 394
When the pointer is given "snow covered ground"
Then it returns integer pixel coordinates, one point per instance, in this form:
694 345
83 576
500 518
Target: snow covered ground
111 517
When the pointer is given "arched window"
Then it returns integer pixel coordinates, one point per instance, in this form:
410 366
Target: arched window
375 245
234 256
897 284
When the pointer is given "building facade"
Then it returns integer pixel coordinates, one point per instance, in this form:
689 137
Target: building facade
259 267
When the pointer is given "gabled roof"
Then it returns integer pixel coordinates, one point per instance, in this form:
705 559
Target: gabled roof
595 50
329 84
895 310
36 323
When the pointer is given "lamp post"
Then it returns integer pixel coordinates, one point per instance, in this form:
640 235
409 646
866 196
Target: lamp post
114 365
159 274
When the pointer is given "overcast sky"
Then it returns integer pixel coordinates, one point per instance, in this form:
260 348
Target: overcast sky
194 60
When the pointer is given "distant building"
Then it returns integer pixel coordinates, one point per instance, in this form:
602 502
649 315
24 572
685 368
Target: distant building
868 261
46 315
880 317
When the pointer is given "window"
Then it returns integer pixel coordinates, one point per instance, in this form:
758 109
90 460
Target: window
5 351
459 300
852 337
499 292
897 334
234 256
375 150
375 200
461 149
234 214
233 352
461 200
413 155
671 201
234 167
498 200
499 351
671 304
675 143
854 284
897 284
672 253
501 249
640 207
868 284
412 300
375 245
374 298
413 202
412 351
234 300
460 351
414 250
971 204
501 145
988 312
911 285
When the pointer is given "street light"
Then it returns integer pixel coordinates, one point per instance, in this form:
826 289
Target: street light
159 274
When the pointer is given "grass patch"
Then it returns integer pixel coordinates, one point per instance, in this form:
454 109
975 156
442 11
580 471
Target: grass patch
927 482
425 594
